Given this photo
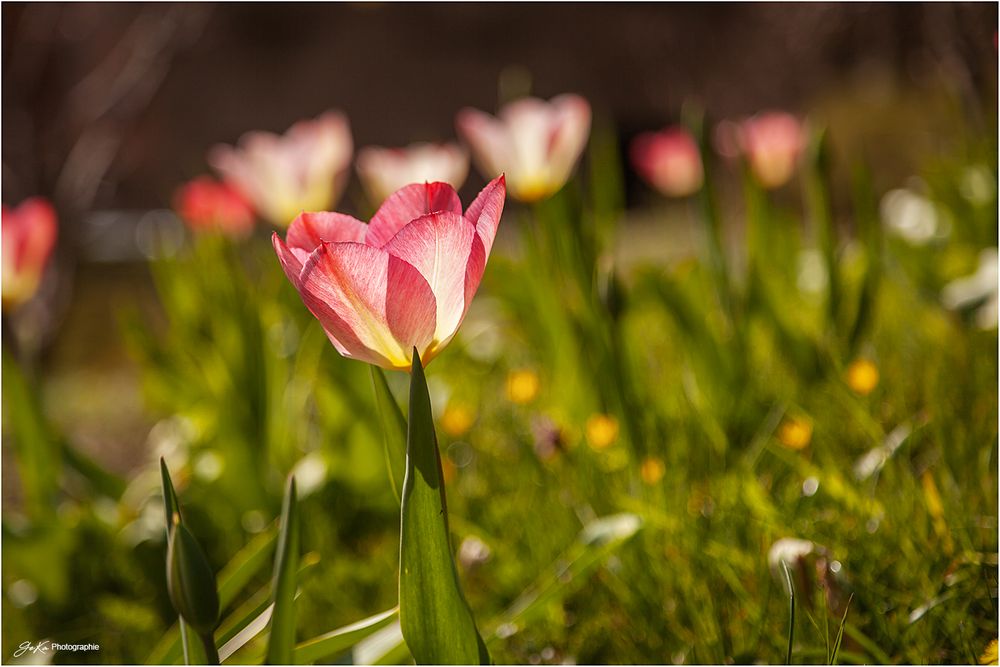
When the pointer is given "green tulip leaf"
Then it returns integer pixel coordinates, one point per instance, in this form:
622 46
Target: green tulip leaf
193 651
393 430
170 504
190 580
286 563
435 618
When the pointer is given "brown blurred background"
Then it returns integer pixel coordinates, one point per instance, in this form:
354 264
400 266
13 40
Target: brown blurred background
108 107
136 93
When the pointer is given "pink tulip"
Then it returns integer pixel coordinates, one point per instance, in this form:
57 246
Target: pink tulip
208 205
29 234
772 143
302 170
668 160
403 281
534 142
386 170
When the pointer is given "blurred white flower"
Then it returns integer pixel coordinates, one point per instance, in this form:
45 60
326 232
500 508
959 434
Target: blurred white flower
977 290
385 170
788 550
911 216
284 175
473 552
535 143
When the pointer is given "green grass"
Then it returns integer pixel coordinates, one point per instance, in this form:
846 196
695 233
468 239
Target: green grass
700 374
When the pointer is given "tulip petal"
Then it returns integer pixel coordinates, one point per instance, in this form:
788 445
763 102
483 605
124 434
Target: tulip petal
488 139
291 263
309 230
378 307
485 210
438 246
571 129
408 204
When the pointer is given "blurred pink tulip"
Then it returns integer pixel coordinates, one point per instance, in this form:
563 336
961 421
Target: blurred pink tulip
669 160
29 234
404 280
385 170
772 143
208 205
302 170
536 143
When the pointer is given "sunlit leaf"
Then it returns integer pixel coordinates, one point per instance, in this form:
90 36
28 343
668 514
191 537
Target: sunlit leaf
286 563
435 618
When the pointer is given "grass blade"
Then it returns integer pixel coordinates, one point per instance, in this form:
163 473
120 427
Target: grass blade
435 618
598 540
251 611
337 641
840 633
286 562
791 611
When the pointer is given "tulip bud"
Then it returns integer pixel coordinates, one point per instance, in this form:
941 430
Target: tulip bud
29 234
668 160
772 143
207 205
190 581
534 142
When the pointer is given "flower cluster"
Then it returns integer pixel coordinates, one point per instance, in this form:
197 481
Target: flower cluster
404 281
769 143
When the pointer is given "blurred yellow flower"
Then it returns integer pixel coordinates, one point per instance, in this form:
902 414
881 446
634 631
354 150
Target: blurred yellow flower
989 656
795 432
862 376
522 386
602 431
652 470
457 419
